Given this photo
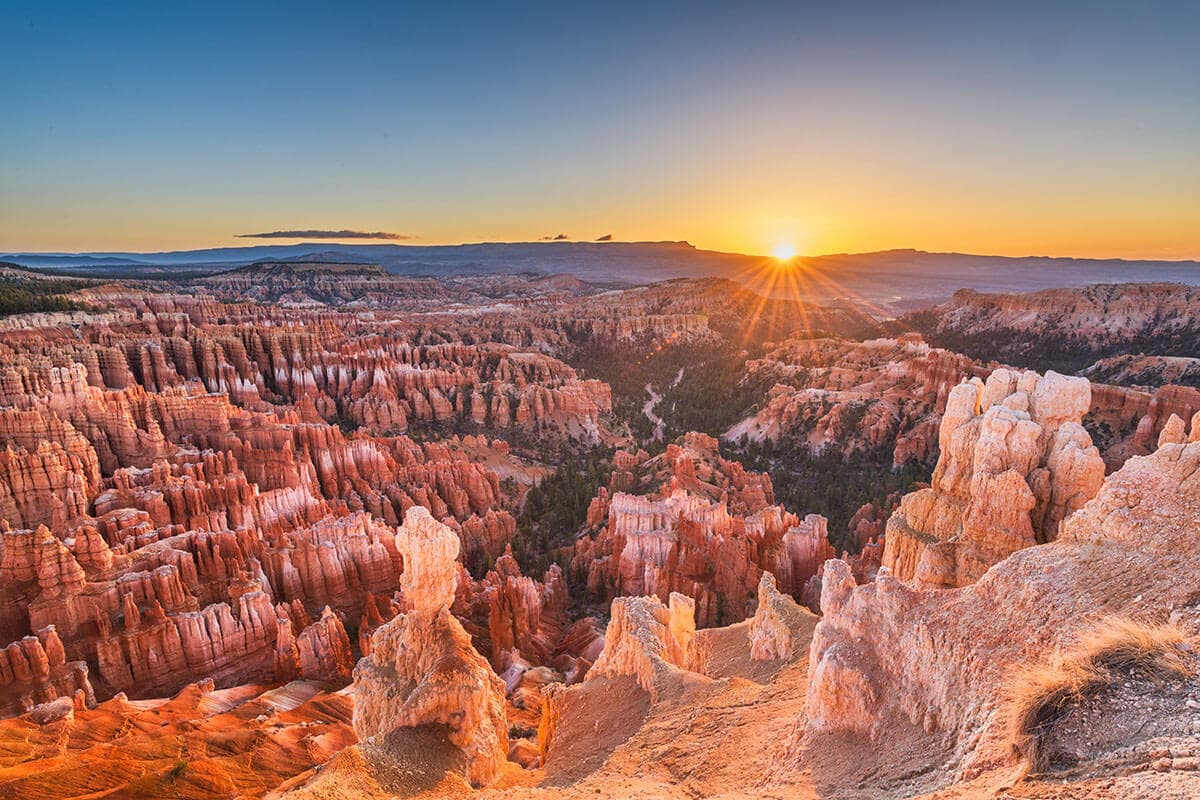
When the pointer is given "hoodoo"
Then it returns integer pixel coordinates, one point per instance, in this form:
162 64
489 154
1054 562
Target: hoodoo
1015 462
422 669
950 661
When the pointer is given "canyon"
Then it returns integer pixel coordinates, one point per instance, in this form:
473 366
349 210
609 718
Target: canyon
314 530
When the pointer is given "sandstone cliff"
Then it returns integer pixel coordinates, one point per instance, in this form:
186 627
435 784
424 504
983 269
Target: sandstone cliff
945 659
1069 327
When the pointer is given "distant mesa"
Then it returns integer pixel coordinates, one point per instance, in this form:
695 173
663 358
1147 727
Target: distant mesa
605 238
893 282
299 268
327 234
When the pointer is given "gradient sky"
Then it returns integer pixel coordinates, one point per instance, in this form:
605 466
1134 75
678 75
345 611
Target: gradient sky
1009 128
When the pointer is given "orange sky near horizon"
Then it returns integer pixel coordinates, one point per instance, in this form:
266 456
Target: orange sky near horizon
1017 129
1117 233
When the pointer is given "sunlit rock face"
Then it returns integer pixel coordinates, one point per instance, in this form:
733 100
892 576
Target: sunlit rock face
879 397
1077 322
705 528
202 500
124 748
886 397
423 669
774 622
646 638
1015 462
177 505
897 649
35 671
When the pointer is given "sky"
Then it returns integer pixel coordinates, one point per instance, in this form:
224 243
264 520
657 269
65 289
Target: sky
1004 128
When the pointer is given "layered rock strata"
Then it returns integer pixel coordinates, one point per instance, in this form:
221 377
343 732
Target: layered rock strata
705 527
944 660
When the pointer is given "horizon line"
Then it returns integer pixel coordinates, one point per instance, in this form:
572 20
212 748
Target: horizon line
573 242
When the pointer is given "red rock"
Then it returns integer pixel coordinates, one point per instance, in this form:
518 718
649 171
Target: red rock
708 532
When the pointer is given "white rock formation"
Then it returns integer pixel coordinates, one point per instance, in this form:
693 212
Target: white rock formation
423 669
1015 462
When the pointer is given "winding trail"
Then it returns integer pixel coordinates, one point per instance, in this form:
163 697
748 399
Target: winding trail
660 427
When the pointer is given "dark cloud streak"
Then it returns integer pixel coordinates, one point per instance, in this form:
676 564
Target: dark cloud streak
319 234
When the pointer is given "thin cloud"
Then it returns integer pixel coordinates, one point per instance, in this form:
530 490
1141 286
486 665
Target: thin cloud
605 238
319 234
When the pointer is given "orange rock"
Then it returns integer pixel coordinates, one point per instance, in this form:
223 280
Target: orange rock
422 668
1015 461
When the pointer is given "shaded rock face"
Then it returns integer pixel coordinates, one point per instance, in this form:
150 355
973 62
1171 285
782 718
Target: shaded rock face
521 622
423 669
942 659
1015 462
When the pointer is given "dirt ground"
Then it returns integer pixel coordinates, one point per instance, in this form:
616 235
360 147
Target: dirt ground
742 735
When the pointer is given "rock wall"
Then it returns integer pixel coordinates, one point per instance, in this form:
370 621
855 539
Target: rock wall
882 396
645 639
1015 461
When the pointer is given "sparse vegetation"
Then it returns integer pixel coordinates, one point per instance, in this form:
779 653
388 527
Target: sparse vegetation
703 384
1116 648
827 483
557 507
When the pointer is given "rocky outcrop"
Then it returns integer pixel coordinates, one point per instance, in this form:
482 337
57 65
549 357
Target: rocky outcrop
1143 371
645 639
1015 461
422 668
35 671
705 528
943 659
324 650
774 622
882 396
522 623
1069 325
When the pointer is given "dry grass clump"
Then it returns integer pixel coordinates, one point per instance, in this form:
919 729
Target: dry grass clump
1117 646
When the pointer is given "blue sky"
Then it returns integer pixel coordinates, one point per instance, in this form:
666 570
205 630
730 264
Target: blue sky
1009 128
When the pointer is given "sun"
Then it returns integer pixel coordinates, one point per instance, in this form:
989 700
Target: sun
785 251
